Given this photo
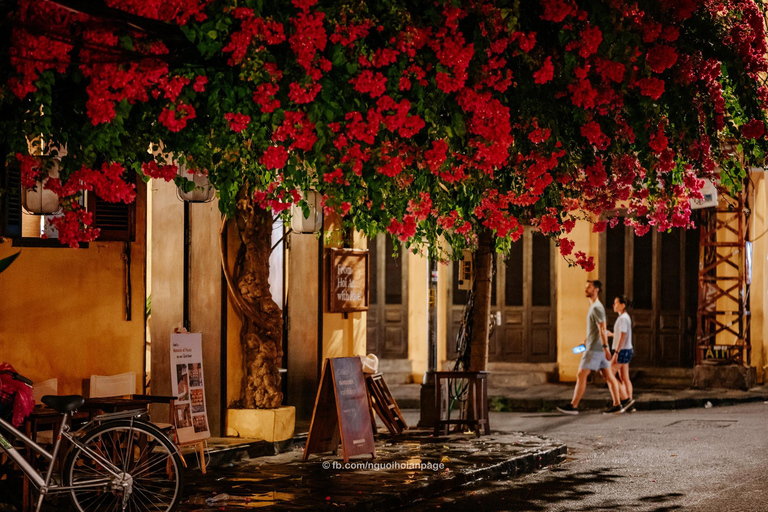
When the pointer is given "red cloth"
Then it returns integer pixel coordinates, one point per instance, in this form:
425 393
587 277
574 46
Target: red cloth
24 402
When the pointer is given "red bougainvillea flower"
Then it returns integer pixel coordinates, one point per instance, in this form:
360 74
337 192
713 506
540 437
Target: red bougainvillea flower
754 129
237 122
651 87
176 120
163 172
546 73
275 157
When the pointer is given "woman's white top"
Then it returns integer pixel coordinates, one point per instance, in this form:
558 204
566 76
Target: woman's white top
622 324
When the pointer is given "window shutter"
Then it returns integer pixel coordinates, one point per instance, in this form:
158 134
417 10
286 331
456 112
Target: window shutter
117 221
10 225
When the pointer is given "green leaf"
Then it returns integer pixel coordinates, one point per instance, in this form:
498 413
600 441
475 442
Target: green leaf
212 34
6 262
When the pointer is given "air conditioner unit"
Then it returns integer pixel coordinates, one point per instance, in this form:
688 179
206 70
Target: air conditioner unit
709 191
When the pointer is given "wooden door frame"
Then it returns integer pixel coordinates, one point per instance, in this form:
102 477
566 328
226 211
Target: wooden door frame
656 354
380 305
527 309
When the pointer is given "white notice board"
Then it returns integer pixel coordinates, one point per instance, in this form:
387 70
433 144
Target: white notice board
189 414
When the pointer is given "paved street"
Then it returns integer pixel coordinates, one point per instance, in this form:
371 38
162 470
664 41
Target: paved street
700 460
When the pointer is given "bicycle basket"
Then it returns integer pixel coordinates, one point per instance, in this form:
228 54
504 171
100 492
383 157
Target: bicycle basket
6 405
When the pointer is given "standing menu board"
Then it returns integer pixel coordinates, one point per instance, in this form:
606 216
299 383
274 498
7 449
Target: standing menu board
187 385
348 284
342 411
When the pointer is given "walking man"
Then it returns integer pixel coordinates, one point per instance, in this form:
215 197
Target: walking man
597 355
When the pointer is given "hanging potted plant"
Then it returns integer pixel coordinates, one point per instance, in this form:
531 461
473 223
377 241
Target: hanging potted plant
193 186
36 198
37 169
307 214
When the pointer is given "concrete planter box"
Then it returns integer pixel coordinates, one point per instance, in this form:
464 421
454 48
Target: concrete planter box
270 425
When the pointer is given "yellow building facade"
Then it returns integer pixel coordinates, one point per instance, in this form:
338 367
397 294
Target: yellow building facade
63 312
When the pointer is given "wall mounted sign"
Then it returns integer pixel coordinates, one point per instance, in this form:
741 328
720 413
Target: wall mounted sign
342 411
348 282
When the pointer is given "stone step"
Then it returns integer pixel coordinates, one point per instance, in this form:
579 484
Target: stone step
656 378
521 375
396 371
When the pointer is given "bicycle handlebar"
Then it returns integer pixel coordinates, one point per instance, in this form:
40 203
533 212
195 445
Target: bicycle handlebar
17 376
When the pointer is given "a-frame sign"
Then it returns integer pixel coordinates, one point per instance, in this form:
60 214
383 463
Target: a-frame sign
342 411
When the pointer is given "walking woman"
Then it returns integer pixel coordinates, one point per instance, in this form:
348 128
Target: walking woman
622 351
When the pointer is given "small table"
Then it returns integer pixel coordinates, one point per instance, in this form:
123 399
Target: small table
476 412
114 404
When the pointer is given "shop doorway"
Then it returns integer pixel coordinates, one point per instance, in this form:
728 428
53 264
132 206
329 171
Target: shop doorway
659 273
387 335
523 304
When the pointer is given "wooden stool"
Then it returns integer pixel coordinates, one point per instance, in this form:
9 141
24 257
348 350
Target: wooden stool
476 411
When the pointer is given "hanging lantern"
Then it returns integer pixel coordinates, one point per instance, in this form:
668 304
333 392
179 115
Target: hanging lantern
314 222
39 200
203 191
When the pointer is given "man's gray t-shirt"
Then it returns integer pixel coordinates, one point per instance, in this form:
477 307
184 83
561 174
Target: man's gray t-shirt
595 315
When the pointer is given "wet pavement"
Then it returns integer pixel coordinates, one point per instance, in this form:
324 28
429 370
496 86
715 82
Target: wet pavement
407 468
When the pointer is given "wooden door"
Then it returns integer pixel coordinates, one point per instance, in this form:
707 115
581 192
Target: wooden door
388 296
524 300
658 272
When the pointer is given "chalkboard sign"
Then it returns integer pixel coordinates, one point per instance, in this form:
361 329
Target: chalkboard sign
348 283
342 411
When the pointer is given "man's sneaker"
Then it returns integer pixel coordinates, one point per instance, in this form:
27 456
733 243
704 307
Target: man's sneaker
568 409
627 404
614 409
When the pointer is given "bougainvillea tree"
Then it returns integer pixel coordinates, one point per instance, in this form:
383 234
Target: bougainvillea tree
429 120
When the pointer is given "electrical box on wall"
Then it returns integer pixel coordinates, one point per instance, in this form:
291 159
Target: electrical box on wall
709 191
466 271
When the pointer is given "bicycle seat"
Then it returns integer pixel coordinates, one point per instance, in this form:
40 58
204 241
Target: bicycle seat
63 404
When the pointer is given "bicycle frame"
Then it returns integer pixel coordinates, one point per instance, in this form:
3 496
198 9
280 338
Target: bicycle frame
44 483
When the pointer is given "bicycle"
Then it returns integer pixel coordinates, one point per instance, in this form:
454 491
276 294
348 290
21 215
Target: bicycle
116 461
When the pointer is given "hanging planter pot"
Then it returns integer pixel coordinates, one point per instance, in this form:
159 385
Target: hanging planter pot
203 191
313 222
38 200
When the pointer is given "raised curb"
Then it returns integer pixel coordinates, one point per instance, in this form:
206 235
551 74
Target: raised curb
646 399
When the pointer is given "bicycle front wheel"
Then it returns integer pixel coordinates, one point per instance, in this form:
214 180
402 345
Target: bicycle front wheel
143 471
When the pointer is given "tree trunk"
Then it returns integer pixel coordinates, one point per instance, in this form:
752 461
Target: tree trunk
482 288
262 332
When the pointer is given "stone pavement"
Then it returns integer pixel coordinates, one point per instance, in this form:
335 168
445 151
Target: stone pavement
409 467
545 397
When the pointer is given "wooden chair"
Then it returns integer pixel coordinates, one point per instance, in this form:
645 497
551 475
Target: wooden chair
47 387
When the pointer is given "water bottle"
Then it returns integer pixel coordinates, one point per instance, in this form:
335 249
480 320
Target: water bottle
579 349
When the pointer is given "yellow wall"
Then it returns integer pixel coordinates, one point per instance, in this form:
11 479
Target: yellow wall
62 311
572 306
418 314
342 337
235 365
759 288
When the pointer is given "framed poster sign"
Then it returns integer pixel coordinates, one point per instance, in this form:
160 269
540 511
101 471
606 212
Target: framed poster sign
187 384
348 283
